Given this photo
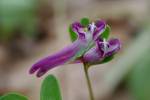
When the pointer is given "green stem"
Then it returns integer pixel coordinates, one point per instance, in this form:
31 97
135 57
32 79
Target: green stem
88 82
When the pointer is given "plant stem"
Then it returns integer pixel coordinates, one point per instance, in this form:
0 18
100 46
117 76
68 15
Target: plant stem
88 82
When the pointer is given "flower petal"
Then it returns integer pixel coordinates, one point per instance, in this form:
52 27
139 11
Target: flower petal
99 23
59 58
100 27
114 47
79 30
94 55
97 54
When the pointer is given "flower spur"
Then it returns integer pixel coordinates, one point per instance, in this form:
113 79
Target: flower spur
89 47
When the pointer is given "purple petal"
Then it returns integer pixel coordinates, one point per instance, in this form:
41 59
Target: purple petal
114 47
94 55
100 26
100 46
79 30
99 23
59 58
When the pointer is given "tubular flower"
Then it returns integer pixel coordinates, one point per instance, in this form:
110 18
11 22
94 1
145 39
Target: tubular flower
101 50
89 47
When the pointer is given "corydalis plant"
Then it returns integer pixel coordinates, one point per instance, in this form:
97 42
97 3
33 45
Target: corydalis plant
90 46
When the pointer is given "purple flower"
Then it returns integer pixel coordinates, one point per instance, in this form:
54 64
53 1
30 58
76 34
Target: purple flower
89 47
101 50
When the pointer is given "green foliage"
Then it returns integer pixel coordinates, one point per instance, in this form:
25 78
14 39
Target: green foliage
17 14
50 89
13 96
84 21
139 78
106 32
107 59
73 35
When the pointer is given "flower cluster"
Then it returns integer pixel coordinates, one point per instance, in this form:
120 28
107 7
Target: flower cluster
91 47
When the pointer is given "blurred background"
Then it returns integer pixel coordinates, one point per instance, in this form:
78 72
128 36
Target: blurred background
32 29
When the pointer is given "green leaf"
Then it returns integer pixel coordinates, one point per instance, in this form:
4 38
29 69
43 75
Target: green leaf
107 59
106 32
73 35
84 21
138 79
50 89
13 96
